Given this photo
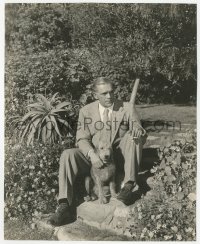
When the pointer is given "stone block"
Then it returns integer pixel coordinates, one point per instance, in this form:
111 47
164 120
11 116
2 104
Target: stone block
152 138
94 222
91 211
112 215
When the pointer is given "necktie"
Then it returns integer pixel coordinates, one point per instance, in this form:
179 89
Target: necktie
106 130
105 115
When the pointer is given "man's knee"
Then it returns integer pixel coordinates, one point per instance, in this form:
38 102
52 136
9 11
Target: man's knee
68 154
127 140
71 152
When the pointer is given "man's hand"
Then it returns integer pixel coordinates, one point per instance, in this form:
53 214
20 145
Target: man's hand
136 132
95 160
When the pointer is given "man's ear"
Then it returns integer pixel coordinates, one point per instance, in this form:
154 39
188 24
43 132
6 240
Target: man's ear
95 95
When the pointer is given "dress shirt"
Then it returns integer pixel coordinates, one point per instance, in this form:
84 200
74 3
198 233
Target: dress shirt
101 112
102 109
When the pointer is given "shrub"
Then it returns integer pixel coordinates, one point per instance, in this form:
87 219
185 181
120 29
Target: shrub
31 178
45 72
56 53
46 120
168 211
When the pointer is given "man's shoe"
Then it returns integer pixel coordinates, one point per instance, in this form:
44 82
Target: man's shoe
62 216
126 194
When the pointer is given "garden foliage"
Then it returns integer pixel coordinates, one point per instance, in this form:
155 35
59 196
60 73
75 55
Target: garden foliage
168 211
60 48
31 178
47 120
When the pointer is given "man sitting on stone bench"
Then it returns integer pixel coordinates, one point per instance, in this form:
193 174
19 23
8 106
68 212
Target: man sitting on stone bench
126 136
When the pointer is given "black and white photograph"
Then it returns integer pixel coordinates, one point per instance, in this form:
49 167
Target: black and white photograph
100 121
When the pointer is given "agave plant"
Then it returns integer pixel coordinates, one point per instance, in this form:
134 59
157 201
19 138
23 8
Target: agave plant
46 120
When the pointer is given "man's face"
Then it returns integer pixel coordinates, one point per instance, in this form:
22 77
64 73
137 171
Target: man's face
105 94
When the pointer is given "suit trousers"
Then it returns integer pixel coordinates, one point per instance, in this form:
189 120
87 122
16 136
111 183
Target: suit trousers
127 154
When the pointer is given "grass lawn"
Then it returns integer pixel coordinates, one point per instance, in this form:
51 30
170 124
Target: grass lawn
169 112
176 119
18 230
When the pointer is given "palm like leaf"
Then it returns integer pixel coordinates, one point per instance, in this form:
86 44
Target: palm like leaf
63 105
33 123
54 98
44 100
44 120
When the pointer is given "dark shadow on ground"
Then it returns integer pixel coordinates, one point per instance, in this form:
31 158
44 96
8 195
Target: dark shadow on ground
185 105
173 105
149 106
149 157
142 190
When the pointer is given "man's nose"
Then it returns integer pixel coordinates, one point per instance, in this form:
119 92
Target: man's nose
108 95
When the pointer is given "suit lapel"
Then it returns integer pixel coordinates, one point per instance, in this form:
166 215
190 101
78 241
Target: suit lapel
117 116
95 116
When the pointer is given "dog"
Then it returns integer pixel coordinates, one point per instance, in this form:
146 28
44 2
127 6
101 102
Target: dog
102 176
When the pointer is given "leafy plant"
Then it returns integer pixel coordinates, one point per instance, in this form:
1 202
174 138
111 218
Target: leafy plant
46 120
31 178
125 40
168 211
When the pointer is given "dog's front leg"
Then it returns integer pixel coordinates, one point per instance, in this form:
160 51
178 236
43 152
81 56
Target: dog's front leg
88 187
113 188
102 198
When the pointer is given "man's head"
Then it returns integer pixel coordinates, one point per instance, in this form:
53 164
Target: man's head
104 91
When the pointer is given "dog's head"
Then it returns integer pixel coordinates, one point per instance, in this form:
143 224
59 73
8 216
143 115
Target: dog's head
104 151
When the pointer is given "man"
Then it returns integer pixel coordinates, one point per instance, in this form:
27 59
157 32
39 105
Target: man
123 129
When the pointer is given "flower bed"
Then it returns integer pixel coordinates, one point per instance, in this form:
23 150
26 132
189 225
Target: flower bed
31 178
168 211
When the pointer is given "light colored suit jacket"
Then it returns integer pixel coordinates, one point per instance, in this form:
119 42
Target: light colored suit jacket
88 130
